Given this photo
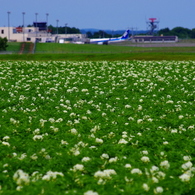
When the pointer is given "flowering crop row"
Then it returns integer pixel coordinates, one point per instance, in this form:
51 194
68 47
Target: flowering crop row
97 128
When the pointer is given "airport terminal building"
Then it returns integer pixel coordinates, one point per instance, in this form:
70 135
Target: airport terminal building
37 33
155 39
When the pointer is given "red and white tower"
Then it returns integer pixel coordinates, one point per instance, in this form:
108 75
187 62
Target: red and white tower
152 24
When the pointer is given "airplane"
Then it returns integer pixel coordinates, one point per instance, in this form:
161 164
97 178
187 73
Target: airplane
105 41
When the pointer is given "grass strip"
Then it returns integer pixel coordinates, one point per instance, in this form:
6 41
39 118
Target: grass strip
99 56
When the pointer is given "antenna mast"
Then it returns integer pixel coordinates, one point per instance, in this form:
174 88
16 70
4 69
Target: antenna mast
152 24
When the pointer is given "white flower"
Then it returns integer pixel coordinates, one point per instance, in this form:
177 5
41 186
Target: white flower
64 142
127 106
139 107
145 159
154 179
139 121
76 152
127 166
67 101
169 102
187 158
36 131
47 157
6 138
6 143
5 165
55 129
150 119
14 154
34 157
84 90
180 116
88 112
154 169
100 174
184 177
51 175
12 120
85 159
21 178
191 127
124 136
111 160
165 142
131 118
122 141
136 171
99 141
73 131
161 175
59 120
104 114
78 167
51 120
37 137
187 165
19 188
174 131
141 100
36 176
145 152
105 174
106 156
162 153
145 187
102 181
90 192
165 164
42 122
158 190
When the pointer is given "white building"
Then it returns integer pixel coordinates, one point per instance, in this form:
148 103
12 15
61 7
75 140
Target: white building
32 34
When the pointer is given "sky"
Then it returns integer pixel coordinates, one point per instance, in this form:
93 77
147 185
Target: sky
100 14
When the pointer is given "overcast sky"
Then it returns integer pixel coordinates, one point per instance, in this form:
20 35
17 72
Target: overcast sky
100 14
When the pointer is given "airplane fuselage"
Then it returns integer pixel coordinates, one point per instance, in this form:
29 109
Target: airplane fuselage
111 40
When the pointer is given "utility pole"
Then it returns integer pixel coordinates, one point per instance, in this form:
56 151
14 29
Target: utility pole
8 25
36 23
23 13
47 21
57 26
66 28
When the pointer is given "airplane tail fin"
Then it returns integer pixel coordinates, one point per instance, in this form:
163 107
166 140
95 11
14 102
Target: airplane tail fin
126 34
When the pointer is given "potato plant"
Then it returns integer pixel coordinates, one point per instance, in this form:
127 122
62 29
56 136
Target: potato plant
97 128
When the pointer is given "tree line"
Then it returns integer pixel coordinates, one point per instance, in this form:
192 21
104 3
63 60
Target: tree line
182 33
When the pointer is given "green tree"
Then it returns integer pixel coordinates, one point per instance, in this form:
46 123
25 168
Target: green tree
3 44
89 34
101 34
182 32
193 33
164 32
